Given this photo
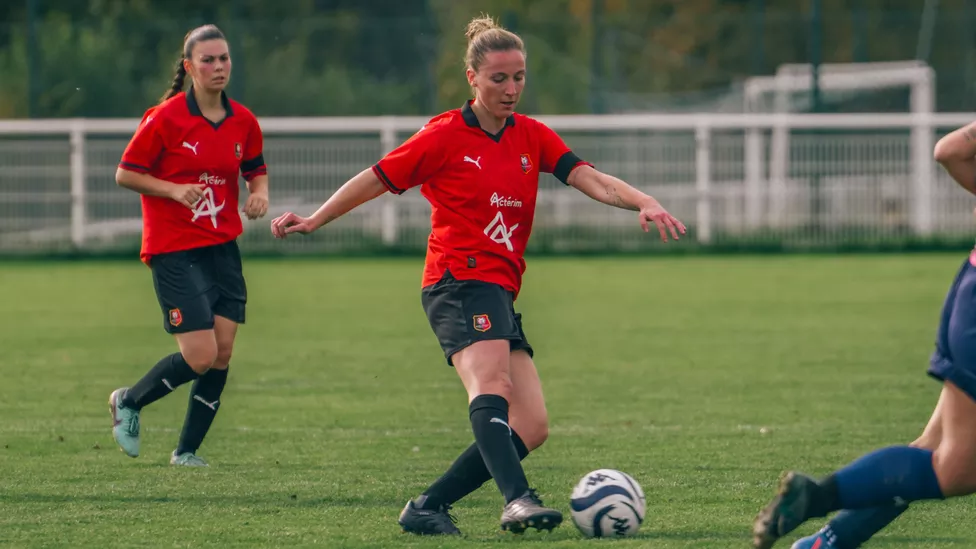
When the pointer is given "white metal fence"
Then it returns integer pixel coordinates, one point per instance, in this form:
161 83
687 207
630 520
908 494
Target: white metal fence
781 179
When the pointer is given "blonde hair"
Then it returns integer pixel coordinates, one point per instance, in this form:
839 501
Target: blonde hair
484 36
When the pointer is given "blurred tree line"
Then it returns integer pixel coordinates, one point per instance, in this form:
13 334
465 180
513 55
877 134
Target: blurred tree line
105 58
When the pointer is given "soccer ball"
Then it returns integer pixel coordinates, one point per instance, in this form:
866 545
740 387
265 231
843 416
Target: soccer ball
607 503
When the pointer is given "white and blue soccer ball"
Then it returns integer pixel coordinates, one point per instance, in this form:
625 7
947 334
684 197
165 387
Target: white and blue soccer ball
607 503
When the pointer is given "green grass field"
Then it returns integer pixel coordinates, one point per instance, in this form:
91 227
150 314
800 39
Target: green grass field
339 406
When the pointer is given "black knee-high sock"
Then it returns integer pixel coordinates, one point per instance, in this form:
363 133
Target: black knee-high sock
168 374
466 474
489 421
200 413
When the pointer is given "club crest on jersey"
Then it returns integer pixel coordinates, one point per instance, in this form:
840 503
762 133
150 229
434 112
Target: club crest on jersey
175 317
481 323
526 163
238 150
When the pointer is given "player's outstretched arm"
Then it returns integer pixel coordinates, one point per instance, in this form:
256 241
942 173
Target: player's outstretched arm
358 190
615 192
956 152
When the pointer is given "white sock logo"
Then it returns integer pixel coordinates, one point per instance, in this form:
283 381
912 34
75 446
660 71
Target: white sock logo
211 405
502 421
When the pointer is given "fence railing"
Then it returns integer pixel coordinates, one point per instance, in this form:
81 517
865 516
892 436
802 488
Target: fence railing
786 179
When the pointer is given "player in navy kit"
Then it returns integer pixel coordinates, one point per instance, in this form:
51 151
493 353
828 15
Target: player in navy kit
875 489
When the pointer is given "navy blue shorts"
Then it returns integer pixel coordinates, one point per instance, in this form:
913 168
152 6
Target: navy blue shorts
954 358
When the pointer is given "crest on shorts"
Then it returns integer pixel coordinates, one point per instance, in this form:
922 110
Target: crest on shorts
238 150
175 317
481 323
526 163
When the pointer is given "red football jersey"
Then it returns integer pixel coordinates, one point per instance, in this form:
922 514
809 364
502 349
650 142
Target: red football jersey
482 189
175 143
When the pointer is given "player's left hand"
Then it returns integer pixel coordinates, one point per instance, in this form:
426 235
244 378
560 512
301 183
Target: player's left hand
256 205
654 212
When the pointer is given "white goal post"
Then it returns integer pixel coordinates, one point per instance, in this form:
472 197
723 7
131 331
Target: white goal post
796 78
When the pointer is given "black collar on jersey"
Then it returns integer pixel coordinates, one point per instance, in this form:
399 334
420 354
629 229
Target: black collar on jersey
191 103
471 119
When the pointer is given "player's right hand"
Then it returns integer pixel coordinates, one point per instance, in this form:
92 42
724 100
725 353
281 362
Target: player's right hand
654 212
188 195
289 223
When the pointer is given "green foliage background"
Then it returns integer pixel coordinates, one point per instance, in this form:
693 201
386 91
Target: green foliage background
108 58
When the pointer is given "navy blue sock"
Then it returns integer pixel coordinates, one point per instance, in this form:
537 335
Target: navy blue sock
851 529
889 476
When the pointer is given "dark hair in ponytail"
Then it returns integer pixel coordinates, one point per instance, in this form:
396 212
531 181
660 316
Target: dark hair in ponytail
199 34
178 80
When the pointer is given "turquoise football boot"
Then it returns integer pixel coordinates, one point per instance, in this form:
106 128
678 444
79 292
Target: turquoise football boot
187 459
125 423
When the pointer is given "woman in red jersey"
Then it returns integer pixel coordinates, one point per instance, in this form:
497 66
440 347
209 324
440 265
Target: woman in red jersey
185 159
479 167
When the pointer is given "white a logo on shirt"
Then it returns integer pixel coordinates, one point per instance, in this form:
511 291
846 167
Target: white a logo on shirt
192 147
498 232
206 206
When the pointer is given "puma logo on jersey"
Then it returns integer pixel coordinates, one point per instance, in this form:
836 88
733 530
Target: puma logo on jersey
498 232
192 147
473 161
207 206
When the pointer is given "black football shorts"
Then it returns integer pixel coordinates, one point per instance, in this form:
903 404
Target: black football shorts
194 285
462 312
